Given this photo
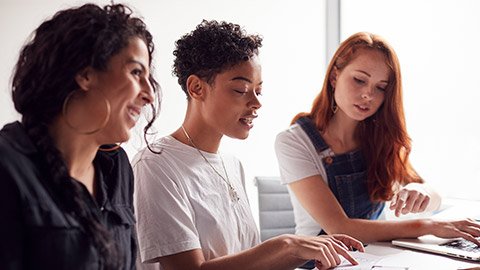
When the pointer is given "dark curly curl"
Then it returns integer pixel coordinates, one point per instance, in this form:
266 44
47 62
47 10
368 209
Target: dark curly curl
210 49
44 76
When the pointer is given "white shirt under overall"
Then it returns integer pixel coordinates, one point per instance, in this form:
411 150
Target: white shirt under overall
298 159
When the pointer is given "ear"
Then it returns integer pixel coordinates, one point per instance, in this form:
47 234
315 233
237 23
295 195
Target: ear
333 77
85 78
196 87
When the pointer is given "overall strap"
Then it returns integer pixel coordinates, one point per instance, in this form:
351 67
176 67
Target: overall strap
317 140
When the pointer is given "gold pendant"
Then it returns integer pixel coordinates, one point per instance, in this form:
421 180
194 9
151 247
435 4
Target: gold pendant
233 195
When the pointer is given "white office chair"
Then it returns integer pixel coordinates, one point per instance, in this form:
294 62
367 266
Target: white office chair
275 209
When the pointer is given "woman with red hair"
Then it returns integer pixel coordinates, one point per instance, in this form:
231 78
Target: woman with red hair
348 156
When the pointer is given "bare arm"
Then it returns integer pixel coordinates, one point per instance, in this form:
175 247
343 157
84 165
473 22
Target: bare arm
283 252
318 200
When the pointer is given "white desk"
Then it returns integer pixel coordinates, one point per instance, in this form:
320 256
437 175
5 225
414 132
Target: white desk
397 257
414 260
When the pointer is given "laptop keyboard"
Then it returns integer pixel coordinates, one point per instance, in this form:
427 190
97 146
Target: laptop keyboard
463 244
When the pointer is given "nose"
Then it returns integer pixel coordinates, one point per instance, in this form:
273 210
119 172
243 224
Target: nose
368 92
254 102
146 94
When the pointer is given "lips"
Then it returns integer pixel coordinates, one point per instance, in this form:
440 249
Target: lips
134 112
362 107
248 120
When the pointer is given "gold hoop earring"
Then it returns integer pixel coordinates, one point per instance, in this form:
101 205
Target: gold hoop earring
334 104
65 115
110 149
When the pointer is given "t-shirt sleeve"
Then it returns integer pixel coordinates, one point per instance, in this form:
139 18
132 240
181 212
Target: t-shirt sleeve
295 161
165 220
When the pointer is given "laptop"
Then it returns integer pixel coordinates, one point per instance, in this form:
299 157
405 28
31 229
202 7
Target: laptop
458 247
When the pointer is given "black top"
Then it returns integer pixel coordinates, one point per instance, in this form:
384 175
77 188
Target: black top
35 231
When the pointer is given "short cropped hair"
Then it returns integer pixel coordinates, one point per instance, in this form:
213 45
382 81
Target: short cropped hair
210 49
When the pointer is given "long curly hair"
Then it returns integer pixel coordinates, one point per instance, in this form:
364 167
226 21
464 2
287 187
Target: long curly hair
210 49
385 142
44 76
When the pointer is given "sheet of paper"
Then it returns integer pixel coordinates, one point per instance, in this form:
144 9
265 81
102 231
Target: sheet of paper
367 262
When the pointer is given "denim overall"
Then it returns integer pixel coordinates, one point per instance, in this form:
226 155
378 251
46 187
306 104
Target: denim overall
346 175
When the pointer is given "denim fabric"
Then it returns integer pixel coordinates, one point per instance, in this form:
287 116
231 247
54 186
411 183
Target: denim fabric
346 175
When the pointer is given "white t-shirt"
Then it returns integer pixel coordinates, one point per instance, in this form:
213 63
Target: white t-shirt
298 159
181 204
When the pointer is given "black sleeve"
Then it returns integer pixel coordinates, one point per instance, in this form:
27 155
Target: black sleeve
11 224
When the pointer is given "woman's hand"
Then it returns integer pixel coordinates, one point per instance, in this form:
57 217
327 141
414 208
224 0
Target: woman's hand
467 228
414 198
325 249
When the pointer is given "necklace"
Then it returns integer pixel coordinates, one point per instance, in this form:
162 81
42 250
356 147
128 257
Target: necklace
231 190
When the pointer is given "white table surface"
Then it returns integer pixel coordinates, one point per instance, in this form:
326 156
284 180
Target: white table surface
396 257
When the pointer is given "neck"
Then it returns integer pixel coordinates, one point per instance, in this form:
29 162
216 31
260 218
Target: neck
340 133
78 152
204 136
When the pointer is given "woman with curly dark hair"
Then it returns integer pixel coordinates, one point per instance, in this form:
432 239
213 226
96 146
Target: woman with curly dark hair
191 206
66 189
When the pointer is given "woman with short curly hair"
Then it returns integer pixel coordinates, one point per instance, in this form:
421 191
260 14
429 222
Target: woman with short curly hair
66 190
191 206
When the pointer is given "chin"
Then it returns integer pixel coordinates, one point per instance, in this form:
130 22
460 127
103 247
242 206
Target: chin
241 136
123 137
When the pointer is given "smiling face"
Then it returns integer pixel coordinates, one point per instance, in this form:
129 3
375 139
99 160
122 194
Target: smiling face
126 86
360 86
231 102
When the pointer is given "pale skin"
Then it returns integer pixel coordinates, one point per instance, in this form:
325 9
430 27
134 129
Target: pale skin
126 86
359 92
228 107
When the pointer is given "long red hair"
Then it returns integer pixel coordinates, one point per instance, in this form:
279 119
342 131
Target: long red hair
385 142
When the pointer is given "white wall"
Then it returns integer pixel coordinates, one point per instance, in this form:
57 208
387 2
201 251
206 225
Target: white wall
436 41
293 60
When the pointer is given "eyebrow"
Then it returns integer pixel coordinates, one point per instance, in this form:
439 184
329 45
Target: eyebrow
240 78
366 73
137 62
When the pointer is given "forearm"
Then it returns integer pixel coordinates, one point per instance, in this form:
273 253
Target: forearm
271 254
369 231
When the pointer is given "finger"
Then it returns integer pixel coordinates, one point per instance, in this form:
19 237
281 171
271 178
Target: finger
473 222
393 202
341 244
418 203
319 266
470 238
412 198
323 258
470 227
347 256
400 202
473 231
424 204
333 250
350 242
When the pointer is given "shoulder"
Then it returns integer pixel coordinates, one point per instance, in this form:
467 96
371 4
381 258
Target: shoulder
292 137
16 148
165 158
292 132
158 152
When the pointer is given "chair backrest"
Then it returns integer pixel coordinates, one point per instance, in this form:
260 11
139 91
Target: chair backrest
275 208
